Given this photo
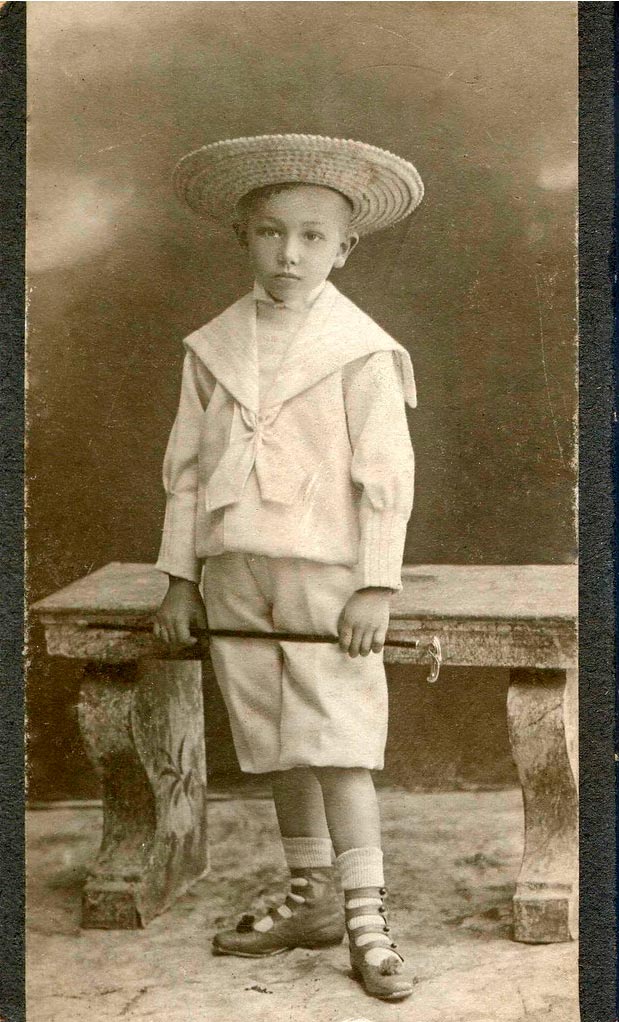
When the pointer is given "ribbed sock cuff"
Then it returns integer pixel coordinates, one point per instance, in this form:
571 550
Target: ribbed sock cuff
307 852
361 867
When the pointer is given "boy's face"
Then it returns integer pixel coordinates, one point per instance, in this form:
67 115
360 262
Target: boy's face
295 237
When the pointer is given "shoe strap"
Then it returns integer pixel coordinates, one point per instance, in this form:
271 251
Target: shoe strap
363 903
366 937
367 925
286 910
296 899
369 935
363 923
265 923
370 910
378 943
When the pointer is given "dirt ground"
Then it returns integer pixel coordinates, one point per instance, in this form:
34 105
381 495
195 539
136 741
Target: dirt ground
452 860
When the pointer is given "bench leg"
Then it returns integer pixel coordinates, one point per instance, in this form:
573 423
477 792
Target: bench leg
143 728
542 712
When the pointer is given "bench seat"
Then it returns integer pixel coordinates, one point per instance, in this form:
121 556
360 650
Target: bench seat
141 718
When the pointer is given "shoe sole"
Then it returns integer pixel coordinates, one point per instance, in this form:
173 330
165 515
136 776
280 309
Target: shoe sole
277 951
248 954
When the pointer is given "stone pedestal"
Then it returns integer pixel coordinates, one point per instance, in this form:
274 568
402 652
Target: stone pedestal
143 729
543 727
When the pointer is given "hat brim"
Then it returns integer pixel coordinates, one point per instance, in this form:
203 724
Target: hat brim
382 187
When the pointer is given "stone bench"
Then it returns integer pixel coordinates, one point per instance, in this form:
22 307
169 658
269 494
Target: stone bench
141 718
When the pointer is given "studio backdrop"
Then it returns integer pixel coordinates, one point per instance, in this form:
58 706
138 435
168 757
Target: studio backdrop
479 285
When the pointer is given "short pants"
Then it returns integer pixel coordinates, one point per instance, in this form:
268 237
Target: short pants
293 704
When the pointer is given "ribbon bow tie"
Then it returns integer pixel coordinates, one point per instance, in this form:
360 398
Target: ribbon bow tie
290 305
294 303
278 461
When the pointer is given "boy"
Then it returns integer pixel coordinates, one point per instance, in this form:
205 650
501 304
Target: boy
289 479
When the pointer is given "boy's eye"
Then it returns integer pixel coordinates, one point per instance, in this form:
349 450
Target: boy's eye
314 236
268 232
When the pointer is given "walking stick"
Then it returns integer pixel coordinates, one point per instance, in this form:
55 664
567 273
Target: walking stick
433 648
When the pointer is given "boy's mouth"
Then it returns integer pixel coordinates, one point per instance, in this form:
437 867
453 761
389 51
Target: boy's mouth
287 276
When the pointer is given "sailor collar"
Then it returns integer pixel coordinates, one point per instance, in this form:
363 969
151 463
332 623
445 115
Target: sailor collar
334 333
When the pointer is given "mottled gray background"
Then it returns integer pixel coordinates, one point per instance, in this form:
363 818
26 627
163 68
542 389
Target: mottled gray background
478 284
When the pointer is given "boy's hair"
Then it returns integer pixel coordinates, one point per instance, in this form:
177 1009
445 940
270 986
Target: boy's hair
247 202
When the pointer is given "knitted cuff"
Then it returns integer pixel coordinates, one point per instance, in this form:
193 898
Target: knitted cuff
361 867
381 548
307 852
177 555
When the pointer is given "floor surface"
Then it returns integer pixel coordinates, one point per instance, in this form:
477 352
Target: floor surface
452 860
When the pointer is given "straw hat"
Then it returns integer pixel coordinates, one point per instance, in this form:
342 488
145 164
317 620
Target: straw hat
382 188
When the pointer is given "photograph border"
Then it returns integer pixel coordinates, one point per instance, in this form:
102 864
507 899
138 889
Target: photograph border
12 339
599 448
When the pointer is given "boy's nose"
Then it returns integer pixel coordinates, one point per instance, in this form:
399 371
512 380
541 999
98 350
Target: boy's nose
289 253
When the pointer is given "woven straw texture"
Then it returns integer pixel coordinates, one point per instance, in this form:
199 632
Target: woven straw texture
383 188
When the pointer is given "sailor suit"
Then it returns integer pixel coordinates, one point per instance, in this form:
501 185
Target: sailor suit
289 480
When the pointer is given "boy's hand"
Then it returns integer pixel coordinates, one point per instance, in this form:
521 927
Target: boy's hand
362 626
182 609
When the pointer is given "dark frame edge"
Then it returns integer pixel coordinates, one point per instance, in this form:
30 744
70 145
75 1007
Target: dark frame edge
12 315
597 584
598 977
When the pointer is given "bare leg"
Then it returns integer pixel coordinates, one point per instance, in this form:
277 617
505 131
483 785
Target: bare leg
299 804
351 807
311 915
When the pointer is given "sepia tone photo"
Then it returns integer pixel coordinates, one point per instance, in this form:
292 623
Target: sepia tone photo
301 536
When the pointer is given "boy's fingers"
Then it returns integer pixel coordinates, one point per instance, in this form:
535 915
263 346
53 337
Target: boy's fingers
164 635
157 633
345 637
357 636
366 642
182 635
176 634
197 624
379 640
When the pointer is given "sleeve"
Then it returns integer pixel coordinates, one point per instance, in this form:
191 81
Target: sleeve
177 555
383 465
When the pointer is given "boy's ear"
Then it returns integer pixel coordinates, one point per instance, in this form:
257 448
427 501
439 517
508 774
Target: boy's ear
345 249
240 229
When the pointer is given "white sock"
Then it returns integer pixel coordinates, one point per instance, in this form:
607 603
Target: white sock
361 867
307 852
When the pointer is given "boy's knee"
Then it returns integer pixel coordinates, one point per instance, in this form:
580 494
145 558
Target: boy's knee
330 776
